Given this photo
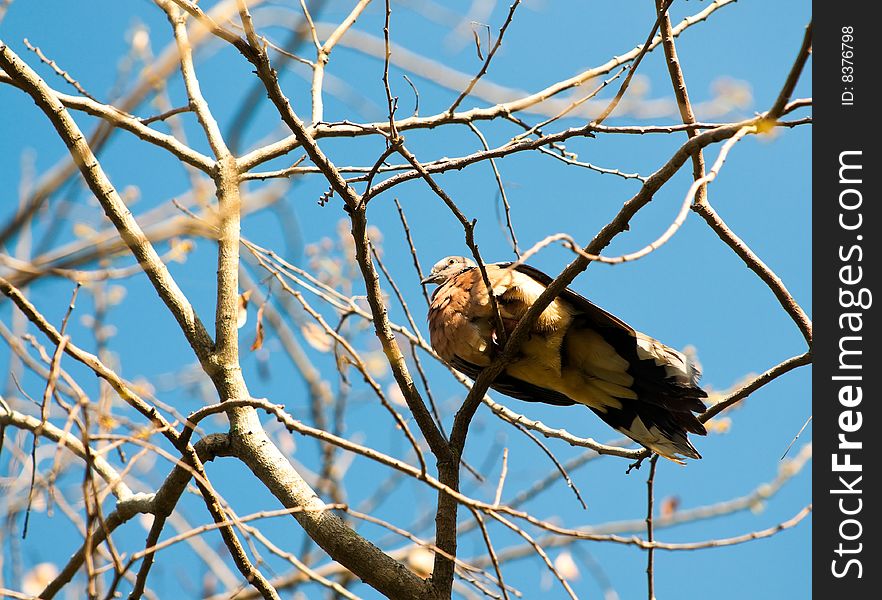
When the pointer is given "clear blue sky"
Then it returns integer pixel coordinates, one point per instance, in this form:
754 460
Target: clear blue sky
692 292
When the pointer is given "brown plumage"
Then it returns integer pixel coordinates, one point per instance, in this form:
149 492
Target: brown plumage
576 353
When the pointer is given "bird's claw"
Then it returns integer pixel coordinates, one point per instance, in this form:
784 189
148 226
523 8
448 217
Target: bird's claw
495 346
635 465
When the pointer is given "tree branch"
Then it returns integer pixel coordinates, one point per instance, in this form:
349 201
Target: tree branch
110 201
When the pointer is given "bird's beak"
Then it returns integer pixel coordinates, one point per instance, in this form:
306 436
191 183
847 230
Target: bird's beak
431 279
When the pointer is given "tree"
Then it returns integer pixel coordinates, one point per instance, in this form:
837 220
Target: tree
407 485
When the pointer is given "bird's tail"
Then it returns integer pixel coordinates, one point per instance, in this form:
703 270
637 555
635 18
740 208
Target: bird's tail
661 430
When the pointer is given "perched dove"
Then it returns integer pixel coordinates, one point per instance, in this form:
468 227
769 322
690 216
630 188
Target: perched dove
576 353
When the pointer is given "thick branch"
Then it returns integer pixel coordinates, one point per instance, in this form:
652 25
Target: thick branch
132 124
679 83
476 114
380 314
105 470
110 201
161 503
344 545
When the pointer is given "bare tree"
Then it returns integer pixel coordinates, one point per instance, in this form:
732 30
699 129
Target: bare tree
122 454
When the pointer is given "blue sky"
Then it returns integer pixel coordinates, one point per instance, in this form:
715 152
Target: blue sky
694 291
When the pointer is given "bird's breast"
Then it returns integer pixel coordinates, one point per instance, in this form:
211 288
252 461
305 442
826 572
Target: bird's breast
462 322
454 332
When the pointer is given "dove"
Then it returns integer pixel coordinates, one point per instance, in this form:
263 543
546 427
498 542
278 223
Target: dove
575 353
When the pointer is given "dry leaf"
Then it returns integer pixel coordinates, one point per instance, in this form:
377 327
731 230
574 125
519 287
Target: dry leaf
316 337
39 502
144 433
395 395
106 332
179 250
788 468
287 444
719 425
669 506
733 91
566 566
142 387
146 520
478 44
243 309
131 194
107 422
421 561
374 233
258 336
115 294
35 580
83 231
140 39
343 362
376 363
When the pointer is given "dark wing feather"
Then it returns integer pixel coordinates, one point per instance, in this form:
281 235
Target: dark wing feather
514 387
672 425
600 317
651 382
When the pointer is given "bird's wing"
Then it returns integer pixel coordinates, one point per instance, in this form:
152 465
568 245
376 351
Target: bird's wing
514 387
666 375
576 353
661 390
463 327
656 386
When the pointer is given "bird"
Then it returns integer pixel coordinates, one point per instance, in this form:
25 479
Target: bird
575 353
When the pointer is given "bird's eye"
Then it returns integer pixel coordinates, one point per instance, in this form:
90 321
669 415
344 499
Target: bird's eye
450 261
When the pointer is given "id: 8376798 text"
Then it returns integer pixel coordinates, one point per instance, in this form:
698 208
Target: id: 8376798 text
847 66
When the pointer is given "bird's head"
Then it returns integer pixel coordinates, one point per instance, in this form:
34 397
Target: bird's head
446 268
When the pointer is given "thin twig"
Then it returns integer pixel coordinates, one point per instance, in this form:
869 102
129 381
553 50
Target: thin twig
650 553
633 69
575 104
502 473
678 81
796 437
560 467
486 65
58 70
165 115
413 252
506 206
490 551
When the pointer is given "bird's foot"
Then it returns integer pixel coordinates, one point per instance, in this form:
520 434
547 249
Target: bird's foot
496 345
635 465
